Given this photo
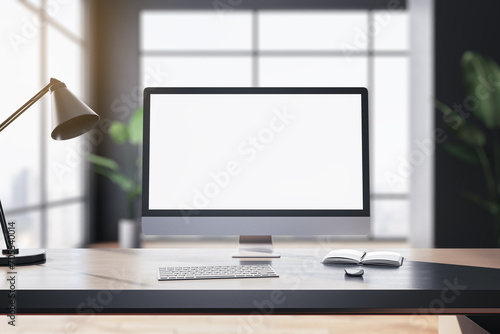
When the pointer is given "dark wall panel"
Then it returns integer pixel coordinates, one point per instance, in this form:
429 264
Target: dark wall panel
460 25
114 83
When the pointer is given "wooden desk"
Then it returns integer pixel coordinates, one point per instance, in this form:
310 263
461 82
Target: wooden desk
124 281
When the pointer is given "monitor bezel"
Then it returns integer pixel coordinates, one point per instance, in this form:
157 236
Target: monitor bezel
363 92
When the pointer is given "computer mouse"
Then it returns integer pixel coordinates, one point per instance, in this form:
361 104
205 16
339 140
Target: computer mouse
354 272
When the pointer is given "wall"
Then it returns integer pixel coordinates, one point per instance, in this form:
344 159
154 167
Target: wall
422 123
460 26
114 78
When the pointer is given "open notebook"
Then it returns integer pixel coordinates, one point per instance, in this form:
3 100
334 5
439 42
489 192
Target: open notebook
352 256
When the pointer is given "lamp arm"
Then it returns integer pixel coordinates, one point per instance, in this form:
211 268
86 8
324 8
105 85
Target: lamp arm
25 106
6 123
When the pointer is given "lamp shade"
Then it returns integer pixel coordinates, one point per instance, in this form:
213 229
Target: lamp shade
70 116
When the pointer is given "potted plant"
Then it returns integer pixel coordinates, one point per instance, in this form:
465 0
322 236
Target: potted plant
128 180
479 144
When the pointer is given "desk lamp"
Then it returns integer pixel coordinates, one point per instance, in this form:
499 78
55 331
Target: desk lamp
70 118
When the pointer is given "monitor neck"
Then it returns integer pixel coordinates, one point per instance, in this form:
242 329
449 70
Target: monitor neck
255 246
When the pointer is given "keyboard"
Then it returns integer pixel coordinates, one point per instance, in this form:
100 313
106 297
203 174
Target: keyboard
215 272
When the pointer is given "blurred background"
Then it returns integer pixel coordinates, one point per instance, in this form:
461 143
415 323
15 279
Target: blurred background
407 53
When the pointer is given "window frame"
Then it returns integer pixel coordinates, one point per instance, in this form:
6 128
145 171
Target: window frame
255 53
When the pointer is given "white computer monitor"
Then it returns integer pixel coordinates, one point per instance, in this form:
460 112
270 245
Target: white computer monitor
256 162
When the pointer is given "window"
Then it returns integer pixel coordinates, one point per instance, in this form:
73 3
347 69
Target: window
269 47
41 183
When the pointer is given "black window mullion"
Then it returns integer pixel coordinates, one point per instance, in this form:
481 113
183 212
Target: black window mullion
229 5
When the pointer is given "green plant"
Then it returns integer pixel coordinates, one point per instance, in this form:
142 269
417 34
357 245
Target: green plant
478 144
129 181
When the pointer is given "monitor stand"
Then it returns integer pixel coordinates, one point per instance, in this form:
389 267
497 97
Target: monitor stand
260 246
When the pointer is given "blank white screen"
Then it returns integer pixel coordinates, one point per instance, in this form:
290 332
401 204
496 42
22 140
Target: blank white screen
255 151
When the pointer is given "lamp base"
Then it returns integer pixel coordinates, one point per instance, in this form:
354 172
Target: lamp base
26 256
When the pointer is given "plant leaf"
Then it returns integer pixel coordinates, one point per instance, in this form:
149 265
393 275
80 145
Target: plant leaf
118 132
478 72
123 181
468 133
462 152
471 135
135 127
451 118
135 192
489 204
103 162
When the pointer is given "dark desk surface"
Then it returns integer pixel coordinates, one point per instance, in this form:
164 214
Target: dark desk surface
103 281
